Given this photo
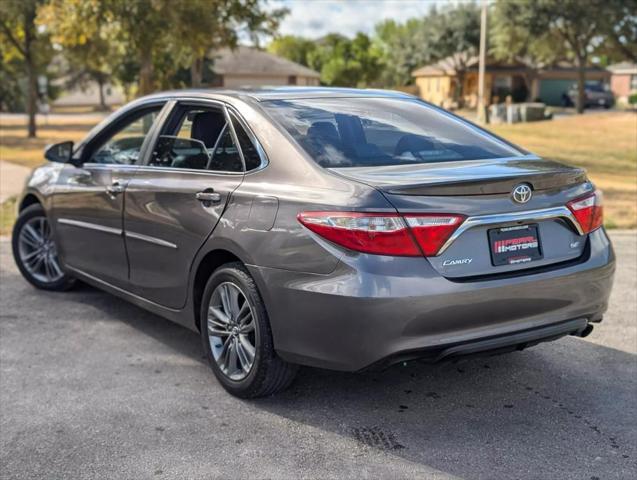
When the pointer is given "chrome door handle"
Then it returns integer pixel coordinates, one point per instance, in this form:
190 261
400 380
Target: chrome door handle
208 196
114 189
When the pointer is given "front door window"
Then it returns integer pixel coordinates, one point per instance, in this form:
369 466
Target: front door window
124 146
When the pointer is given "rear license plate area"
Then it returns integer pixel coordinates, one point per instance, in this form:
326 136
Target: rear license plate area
514 245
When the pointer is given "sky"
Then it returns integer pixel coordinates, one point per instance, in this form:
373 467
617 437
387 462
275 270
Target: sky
315 18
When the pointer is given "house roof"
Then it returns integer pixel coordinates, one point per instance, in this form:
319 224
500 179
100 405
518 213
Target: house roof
626 68
447 66
250 61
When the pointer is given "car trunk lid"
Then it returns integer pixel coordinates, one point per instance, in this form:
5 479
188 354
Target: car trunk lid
478 177
538 233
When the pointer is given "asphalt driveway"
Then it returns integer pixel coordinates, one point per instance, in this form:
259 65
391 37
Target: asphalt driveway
92 387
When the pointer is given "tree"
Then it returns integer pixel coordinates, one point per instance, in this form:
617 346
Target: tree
512 42
619 29
151 41
344 62
205 25
574 24
401 49
18 28
90 51
451 33
294 48
455 35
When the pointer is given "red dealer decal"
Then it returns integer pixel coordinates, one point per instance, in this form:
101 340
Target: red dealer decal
515 244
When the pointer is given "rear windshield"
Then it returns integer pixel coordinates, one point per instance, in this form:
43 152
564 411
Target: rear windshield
360 132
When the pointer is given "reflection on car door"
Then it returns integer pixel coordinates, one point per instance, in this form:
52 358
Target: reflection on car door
88 203
174 202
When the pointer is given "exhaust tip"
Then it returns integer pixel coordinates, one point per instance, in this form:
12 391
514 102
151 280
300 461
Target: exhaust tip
585 332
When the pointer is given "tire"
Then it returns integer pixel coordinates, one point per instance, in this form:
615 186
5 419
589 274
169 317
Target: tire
267 374
45 274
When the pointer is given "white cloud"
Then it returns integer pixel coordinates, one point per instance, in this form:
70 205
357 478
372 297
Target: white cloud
315 18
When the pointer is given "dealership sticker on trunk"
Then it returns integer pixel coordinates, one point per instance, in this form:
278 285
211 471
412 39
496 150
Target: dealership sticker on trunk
514 245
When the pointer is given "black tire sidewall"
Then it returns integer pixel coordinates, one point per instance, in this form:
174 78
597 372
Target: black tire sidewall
263 338
27 214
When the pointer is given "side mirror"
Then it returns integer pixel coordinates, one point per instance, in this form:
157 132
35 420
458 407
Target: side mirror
60 152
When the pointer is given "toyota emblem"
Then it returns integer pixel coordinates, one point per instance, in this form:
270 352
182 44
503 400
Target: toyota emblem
522 193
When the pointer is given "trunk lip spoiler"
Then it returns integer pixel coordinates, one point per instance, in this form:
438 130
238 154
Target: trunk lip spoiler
512 218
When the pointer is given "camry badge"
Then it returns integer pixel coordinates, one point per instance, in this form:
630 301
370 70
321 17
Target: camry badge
522 193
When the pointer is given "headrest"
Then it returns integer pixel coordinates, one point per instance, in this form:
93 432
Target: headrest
206 127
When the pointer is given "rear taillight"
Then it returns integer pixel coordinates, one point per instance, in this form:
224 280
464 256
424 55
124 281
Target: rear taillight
379 233
383 233
588 211
432 231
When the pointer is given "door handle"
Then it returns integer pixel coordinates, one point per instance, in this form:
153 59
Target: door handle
208 196
114 189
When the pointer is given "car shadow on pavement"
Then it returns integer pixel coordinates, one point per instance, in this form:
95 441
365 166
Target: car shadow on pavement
184 341
554 411
492 417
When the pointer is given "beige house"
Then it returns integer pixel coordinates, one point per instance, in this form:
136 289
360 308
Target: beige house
436 83
250 67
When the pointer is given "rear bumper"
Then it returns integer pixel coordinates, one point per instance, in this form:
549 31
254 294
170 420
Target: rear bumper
375 310
509 342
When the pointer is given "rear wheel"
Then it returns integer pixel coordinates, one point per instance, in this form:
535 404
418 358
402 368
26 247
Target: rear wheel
236 336
35 252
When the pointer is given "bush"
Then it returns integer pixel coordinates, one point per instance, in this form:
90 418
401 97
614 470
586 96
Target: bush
632 98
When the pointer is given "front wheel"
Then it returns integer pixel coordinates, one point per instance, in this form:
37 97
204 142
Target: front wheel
236 336
35 252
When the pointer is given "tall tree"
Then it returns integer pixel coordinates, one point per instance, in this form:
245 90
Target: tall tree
205 25
294 48
619 29
451 33
401 49
455 35
18 28
576 25
511 41
154 39
90 51
344 62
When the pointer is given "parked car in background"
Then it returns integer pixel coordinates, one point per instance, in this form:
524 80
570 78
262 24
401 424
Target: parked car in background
337 228
596 94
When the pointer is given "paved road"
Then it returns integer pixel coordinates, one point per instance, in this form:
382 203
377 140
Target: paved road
92 387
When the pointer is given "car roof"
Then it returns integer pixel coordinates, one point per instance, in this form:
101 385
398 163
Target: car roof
279 93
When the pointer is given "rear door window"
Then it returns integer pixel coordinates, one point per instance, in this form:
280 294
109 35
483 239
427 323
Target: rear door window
197 138
251 152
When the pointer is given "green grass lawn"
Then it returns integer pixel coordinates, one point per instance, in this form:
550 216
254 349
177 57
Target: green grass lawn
604 143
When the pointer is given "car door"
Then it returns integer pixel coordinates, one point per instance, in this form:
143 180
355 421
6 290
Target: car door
88 202
175 201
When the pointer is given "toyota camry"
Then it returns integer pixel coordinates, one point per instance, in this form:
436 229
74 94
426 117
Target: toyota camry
336 228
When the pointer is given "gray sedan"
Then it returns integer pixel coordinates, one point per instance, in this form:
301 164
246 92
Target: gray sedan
342 229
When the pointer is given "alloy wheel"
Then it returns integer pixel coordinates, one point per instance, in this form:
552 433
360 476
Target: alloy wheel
37 251
231 331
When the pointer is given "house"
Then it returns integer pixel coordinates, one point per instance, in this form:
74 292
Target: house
231 68
623 80
88 95
250 67
437 82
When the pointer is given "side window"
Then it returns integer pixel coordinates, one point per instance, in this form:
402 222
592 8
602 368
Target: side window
248 148
123 147
226 156
198 140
